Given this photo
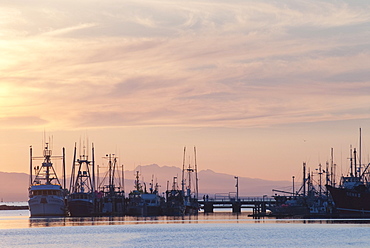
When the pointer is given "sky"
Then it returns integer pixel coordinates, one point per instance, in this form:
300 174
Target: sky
258 87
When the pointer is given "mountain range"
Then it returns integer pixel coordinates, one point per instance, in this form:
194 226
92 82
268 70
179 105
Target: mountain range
14 186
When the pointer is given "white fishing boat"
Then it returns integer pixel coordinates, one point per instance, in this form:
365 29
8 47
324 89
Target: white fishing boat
46 195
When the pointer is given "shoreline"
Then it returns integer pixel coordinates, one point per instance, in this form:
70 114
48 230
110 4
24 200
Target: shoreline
7 207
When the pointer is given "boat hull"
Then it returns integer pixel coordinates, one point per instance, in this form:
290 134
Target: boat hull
350 201
145 204
45 206
80 208
144 210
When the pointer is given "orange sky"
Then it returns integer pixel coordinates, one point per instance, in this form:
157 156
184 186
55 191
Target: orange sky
257 87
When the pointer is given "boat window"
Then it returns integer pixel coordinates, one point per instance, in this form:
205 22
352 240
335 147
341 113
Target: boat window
37 192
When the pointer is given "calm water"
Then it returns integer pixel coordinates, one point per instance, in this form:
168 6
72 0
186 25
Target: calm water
220 229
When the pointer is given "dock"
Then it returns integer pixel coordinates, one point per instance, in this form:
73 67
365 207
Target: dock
257 204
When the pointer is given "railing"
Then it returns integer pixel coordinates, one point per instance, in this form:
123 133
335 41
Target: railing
227 197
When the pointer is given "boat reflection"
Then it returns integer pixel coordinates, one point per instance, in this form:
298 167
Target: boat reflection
187 219
114 220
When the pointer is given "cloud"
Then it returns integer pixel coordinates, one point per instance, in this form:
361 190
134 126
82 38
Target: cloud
200 63
67 30
21 122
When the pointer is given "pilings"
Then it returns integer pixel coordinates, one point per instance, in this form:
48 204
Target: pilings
259 209
237 207
208 207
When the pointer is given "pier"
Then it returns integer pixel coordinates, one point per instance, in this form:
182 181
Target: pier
257 204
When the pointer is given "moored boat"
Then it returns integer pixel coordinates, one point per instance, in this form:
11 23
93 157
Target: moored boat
352 195
81 200
46 195
144 203
309 201
174 200
110 200
190 195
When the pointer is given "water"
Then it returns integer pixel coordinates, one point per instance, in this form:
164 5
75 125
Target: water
220 229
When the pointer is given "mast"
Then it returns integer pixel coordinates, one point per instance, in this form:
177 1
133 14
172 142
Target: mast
189 177
196 172
30 165
304 179
332 176
93 167
47 163
183 171
114 169
72 181
308 181
64 168
110 170
350 159
123 178
320 174
354 155
97 179
327 177
359 156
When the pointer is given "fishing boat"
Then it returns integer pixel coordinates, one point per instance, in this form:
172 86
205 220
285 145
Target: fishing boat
81 200
190 197
174 200
308 201
352 195
145 203
110 198
46 195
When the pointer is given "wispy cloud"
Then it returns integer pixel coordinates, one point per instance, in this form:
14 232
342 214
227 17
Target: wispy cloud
67 30
200 63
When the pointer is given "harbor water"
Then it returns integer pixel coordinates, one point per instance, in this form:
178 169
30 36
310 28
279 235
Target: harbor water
219 229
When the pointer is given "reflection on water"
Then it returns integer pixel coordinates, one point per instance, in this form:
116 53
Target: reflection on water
201 218
15 219
128 220
219 217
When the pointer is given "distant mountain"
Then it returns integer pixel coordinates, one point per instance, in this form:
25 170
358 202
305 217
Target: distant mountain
14 186
210 182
